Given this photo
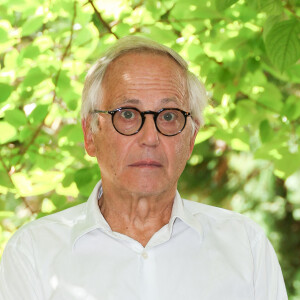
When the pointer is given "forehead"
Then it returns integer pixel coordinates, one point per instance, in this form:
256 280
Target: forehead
147 77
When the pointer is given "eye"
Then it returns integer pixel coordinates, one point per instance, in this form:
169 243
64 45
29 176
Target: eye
127 114
168 116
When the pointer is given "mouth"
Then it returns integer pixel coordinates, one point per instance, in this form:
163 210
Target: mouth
146 164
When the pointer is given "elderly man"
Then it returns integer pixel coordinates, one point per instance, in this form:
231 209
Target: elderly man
135 238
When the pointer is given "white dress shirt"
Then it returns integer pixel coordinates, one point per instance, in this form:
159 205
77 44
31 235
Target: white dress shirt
203 253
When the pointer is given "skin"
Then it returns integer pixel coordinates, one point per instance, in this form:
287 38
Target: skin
140 172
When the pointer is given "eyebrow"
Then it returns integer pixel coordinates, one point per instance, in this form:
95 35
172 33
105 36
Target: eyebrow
133 101
137 101
168 100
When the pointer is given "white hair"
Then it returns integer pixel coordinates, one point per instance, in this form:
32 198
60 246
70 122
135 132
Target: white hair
91 97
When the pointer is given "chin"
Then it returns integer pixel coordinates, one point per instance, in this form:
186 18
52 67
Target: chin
146 187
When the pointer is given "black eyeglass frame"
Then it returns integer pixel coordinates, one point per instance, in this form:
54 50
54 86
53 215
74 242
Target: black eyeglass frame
143 113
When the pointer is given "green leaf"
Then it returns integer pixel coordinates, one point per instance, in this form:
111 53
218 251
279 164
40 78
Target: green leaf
10 59
83 36
189 10
83 176
204 135
3 35
34 77
223 4
32 25
8 132
270 97
73 133
47 206
6 90
271 7
5 180
237 140
32 51
239 145
121 29
161 34
265 131
246 112
25 134
38 114
270 22
291 108
86 179
58 200
15 117
284 167
283 44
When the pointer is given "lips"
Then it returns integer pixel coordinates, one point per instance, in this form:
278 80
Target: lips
146 164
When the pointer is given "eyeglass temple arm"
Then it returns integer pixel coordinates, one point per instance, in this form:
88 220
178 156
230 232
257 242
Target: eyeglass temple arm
101 111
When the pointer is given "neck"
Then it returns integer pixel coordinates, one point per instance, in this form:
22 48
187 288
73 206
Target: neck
135 215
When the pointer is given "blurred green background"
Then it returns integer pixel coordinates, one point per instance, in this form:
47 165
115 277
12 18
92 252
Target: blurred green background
246 157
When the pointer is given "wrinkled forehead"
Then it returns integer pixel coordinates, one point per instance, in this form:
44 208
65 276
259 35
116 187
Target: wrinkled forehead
151 52
141 56
145 70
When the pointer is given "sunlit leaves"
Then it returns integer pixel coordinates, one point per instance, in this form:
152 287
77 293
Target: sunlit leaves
283 43
8 132
189 11
34 77
246 52
3 35
5 180
223 4
15 117
269 6
291 108
86 179
265 131
38 114
32 24
5 89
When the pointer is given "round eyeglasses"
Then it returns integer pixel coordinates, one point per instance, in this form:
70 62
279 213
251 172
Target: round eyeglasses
130 120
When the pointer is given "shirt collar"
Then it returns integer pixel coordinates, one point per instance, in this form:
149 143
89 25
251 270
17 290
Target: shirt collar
91 217
180 211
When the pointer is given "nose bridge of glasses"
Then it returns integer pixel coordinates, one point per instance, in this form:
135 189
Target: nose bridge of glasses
149 112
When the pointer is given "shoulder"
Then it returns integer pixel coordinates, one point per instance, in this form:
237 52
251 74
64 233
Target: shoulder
225 221
57 224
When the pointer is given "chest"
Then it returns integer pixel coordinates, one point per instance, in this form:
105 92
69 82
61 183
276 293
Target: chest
182 268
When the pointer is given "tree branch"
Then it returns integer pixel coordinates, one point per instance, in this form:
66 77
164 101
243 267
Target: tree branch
103 22
67 49
291 9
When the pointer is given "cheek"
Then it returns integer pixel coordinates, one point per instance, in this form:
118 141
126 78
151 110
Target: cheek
178 154
111 152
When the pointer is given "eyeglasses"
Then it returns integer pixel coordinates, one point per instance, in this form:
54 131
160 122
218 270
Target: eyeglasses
129 120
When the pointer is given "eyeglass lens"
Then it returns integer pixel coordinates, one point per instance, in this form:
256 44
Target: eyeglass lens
128 121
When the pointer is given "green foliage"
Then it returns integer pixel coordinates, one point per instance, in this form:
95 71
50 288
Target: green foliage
223 4
282 43
247 156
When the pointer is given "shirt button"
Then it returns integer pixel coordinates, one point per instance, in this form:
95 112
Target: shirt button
145 255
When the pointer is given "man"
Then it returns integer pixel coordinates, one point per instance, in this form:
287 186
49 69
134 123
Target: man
135 238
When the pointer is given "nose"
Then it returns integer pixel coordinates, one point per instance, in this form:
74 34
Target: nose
148 135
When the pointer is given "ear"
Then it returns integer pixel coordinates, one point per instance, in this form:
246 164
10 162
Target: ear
89 144
193 138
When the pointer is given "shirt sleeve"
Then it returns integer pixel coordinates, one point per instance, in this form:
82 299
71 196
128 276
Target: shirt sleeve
268 279
18 277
